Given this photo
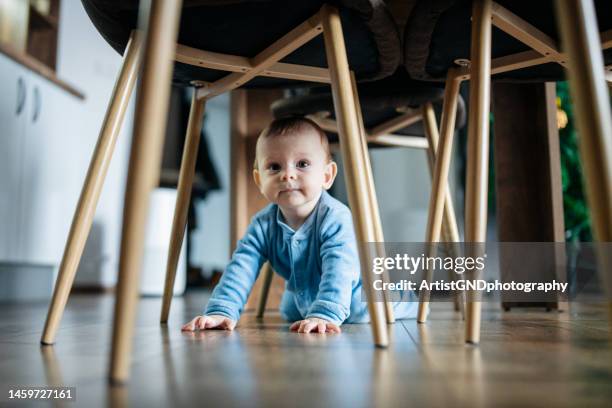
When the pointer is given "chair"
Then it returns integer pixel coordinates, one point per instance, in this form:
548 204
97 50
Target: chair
262 44
397 111
524 47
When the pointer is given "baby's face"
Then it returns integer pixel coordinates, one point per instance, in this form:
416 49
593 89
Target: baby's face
292 170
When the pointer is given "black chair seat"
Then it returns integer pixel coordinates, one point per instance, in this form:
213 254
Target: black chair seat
438 33
246 27
380 102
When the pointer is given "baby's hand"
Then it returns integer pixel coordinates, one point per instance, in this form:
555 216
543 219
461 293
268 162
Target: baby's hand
314 324
209 322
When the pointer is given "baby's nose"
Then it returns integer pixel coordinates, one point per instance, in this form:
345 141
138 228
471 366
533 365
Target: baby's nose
288 173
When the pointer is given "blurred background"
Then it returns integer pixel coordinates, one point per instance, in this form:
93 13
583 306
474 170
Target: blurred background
57 75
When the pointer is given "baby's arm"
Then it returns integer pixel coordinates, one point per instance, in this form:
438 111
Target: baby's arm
231 293
339 274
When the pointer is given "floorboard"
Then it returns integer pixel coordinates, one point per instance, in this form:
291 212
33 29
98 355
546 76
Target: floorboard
526 358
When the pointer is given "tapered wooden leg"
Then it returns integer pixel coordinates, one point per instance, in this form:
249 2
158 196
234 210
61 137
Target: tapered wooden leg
591 101
350 144
185 183
88 200
268 274
478 149
439 183
143 174
449 231
378 230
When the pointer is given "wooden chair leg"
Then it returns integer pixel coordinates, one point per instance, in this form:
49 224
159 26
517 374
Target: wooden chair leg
478 150
449 231
88 200
378 230
143 174
356 179
451 247
439 184
268 274
185 183
579 34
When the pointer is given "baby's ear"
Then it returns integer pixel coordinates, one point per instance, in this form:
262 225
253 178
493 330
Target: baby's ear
331 171
257 178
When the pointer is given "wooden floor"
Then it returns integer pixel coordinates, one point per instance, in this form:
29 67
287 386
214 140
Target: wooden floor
526 358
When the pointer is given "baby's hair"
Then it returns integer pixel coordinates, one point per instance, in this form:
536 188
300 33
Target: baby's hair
291 125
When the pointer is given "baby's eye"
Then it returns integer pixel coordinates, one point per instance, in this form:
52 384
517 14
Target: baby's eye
302 164
273 167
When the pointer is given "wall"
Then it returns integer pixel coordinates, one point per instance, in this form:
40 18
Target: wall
88 62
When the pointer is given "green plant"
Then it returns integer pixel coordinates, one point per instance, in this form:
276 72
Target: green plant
575 210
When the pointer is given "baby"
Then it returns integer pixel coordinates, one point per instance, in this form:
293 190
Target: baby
305 234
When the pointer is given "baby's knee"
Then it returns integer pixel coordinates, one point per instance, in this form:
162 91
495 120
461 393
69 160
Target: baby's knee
290 315
288 308
407 310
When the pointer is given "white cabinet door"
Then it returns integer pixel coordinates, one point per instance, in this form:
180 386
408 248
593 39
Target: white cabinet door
51 172
13 101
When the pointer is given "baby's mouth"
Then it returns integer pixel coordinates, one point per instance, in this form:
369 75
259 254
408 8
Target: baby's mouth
288 190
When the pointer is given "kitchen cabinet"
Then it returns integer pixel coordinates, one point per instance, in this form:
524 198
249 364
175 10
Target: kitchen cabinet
41 178
12 124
